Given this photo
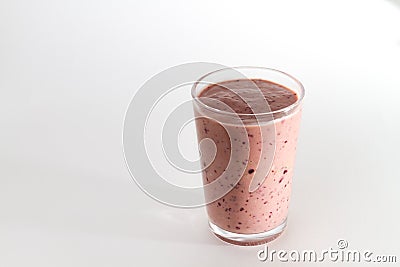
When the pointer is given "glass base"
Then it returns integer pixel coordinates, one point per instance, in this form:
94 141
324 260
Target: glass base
247 239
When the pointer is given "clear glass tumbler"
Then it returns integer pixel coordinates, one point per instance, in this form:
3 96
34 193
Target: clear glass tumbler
247 159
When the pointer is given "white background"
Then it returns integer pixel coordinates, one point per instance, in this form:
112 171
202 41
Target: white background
68 70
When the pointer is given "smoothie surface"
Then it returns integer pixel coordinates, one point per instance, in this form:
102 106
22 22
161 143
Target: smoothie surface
277 96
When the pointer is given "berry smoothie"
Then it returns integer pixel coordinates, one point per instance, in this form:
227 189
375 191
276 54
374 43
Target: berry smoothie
241 210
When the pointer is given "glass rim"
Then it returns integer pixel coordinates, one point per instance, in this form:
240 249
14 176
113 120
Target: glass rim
292 106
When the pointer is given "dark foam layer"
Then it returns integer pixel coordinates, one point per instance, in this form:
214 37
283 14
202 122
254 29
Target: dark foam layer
255 91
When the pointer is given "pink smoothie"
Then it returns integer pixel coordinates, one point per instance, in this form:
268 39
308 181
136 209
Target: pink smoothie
241 211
